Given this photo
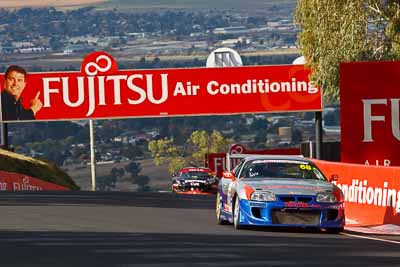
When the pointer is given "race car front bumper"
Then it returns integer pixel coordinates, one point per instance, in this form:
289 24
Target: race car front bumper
278 213
201 188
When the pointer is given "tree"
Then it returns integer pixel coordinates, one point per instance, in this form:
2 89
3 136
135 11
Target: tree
133 168
344 31
142 181
56 43
297 136
164 150
199 144
204 143
117 172
141 64
131 151
260 138
106 183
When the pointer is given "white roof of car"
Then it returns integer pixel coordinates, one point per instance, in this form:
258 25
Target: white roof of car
266 157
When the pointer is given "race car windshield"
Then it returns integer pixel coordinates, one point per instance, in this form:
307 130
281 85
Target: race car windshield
281 169
196 174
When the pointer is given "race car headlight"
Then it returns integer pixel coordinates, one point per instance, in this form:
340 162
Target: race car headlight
263 196
326 198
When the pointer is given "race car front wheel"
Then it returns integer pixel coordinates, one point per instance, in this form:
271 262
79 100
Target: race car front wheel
218 210
236 214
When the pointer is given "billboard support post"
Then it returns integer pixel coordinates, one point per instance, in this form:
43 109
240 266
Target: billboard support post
92 155
4 135
318 135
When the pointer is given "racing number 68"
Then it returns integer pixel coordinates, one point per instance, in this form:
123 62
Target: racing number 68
305 167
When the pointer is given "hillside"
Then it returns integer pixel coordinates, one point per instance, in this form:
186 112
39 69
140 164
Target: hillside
44 170
249 5
160 179
47 3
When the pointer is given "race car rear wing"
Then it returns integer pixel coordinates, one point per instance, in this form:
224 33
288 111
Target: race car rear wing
230 157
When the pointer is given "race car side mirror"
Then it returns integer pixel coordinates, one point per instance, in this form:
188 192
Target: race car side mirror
334 177
228 175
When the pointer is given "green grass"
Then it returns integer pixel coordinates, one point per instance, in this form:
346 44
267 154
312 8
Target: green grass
41 169
255 5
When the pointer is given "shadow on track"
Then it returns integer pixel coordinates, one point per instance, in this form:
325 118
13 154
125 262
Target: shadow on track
76 249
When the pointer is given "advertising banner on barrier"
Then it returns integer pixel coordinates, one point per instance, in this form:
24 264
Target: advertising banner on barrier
19 182
100 90
369 107
372 193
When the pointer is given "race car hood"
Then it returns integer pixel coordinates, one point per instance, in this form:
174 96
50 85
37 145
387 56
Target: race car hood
289 186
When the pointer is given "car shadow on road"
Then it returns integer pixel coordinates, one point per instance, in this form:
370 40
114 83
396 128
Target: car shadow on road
277 229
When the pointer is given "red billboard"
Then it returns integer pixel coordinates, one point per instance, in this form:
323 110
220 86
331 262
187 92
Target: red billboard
100 90
10 181
369 104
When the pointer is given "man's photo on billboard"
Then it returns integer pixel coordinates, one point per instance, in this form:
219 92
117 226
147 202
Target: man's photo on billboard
13 108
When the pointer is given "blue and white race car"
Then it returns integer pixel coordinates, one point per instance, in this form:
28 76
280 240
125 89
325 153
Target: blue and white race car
285 191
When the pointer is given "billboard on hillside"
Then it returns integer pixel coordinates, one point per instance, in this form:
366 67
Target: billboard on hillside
101 90
369 107
10 181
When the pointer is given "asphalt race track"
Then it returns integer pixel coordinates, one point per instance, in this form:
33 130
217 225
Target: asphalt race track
44 229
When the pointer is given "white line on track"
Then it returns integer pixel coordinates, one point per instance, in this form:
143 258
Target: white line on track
372 238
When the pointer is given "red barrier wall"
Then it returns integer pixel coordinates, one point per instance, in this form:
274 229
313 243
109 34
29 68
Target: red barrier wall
372 193
19 182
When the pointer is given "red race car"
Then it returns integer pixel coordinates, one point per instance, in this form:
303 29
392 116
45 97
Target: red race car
195 180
